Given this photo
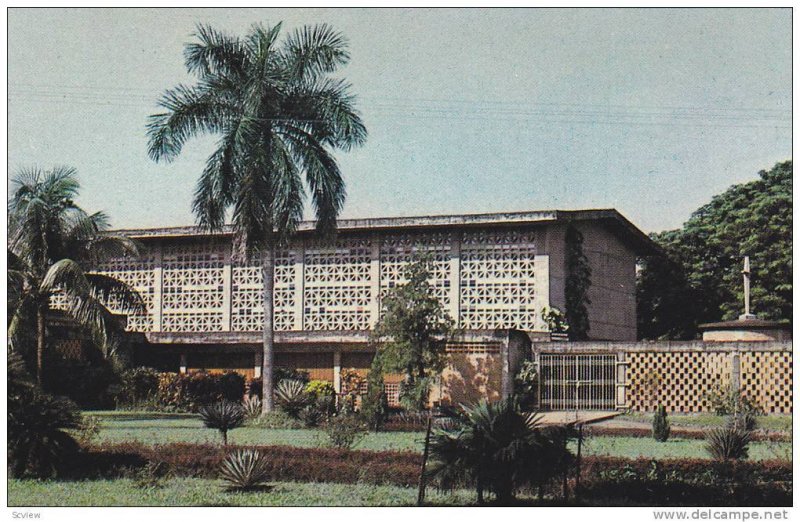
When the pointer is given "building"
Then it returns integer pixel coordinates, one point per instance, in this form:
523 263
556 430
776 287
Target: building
493 272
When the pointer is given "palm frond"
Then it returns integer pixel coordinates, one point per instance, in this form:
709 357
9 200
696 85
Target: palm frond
312 50
115 294
215 53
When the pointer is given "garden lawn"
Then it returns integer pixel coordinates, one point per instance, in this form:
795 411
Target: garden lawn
163 428
160 428
204 492
706 420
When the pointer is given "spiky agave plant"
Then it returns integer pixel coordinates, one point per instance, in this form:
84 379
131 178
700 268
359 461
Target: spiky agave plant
245 469
291 396
222 416
728 443
252 407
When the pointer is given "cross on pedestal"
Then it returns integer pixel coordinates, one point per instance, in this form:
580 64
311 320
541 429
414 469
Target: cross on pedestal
746 277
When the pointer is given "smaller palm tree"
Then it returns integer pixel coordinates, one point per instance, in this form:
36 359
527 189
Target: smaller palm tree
222 416
245 470
498 448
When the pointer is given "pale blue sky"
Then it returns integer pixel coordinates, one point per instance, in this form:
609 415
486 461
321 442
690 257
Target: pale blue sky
648 111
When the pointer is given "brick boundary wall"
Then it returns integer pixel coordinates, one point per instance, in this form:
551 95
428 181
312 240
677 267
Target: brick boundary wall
681 374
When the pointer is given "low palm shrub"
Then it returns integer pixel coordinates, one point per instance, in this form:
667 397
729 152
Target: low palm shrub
245 469
727 443
496 447
222 416
311 416
291 396
252 407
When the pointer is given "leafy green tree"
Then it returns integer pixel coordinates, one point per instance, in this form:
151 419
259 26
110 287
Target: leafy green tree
278 114
411 336
701 281
53 246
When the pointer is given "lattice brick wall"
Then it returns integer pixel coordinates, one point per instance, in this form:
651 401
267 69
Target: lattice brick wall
766 378
247 294
497 280
398 250
337 285
193 288
140 275
679 380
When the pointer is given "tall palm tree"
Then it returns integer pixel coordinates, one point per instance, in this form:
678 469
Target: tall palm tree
279 115
52 247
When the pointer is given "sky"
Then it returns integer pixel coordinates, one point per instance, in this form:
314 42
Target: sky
649 111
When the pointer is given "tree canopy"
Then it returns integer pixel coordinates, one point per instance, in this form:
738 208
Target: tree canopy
700 279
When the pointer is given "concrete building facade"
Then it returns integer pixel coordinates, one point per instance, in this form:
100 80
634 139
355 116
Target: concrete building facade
494 273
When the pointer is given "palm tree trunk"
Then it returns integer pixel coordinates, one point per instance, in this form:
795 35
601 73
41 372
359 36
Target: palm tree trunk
268 274
40 333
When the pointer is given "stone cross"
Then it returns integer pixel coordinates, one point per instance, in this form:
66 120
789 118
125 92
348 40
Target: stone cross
746 277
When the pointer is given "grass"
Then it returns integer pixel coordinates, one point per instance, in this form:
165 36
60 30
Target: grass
634 447
155 428
204 492
704 420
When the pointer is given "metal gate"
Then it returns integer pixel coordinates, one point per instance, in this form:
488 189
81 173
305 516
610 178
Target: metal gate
577 381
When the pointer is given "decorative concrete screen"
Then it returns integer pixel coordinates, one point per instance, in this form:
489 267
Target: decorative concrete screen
486 279
766 377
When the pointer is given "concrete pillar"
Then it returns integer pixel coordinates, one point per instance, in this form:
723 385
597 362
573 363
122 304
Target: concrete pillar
258 361
455 279
541 298
299 284
736 372
622 385
227 286
375 280
158 281
337 370
183 363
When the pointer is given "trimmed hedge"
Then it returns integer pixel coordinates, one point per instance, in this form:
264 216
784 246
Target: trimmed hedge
604 480
677 432
285 463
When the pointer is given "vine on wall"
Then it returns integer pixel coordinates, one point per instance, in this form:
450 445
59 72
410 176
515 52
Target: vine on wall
578 281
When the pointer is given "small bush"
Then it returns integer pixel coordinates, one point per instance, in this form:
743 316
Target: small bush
88 383
222 416
190 391
725 400
727 443
276 420
526 385
345 431
661 424
291 396
317 390
138 387
252 407
88 429
311 416
39 442
375 404
150 476
245 469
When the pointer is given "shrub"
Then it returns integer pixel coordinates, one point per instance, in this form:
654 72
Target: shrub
138 386
38 439
526 385
252 407
291 396
319 389
88 429
276 420
190 391
661 424
88 383
727 443
222 416
254 386
345 431
725 400
375 404
245 469
311 416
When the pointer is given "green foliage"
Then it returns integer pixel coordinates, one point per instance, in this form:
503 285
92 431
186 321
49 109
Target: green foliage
318 389
291 397
345 430
526 385
661 424
700 279
375 404
222 416
311 416
88 381
138 387
38 428
728 443
87 431
555 320
410 338
576 285
276 420
497 447
190 391
251 405
54 246
725 400
245 469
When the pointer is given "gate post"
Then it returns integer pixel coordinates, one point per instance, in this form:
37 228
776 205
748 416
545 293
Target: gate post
621 385
736 372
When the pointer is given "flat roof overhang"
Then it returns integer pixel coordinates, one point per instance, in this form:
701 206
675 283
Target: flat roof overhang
616 222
